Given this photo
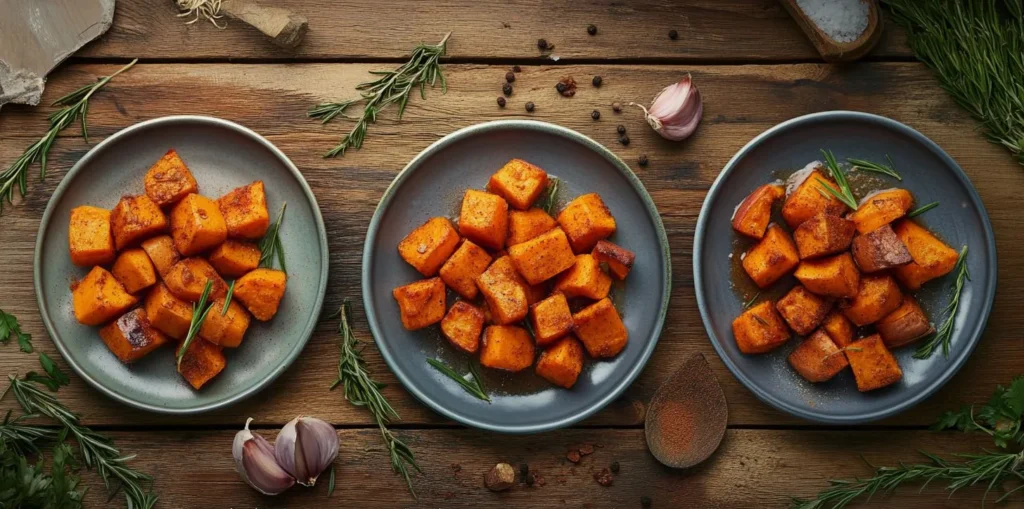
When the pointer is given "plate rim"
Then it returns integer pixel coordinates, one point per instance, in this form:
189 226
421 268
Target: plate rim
58 194
546 127
954 362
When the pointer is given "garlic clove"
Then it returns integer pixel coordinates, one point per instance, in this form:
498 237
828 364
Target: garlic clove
305 448
676 111
256 463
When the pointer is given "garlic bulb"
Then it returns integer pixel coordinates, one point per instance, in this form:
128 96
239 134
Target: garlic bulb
306 447
676 110
255 462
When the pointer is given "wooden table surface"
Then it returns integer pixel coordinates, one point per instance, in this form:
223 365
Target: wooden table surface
754 68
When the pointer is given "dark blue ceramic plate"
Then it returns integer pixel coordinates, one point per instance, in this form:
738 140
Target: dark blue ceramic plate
931 175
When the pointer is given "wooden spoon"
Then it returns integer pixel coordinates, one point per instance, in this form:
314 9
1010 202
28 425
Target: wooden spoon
687 416
830 49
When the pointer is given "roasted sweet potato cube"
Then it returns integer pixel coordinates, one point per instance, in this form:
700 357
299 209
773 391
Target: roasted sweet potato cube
134 219
428 246
879 250
585 221
803 310
584 279
833 276
824 234
225 329
873 364
132 337
169 180
197 225
261 291
619 259
506 347
542 257
463 267
818 359
89 237
905 325
524 225
838 328
550 319
932 258
504 290
880 209
753 214
600 329
484 219
811 198
99 298
167 313
202 361
519 182
462 326
771 258
245 211
235 258
421 303
562 362
161 252
187 280
760 329
134 270
877 296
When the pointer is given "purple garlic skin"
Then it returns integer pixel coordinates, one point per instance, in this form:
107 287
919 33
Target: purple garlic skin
676 111
255 462
305 448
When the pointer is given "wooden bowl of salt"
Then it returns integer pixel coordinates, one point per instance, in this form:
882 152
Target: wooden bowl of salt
841 30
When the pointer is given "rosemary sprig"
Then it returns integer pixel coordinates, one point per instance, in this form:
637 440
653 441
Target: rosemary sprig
9 325
944 335
227 298
844 194
549 200
23 438
393 87
199 312
473 386
873 167
270 245
74 106
752 300
922 209
363 391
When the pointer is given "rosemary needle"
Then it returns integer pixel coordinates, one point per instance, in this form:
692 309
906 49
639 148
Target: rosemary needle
922 209
944 335
751 301
549 201
473 386
199 312
873 167
844 194
270 245
227 298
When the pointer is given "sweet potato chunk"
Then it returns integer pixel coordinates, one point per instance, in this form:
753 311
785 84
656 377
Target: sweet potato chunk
824 234
524 225
818 359
906 324
519 182
202 361
550 319
169 180
873 365
504 290
506 347
427 247
245 211
838 328
932 258
227 329
753 214
89 238
878 296
463 267
543 257
135 218
134 270
810 199
463 325
167 313
881 209
771 258
197 225
834 276
562 362
421 303
132 337
99 298
585 221
879 250
803 310
584 279
161 252
234 258
262 290
483 219
619 259
600 329
760 329
187 280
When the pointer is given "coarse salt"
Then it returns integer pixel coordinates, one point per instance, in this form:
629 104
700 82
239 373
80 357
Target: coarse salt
841 20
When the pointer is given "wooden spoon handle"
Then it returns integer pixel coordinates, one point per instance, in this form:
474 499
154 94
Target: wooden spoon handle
283 26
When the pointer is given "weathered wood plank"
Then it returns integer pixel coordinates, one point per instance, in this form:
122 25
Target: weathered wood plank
741 101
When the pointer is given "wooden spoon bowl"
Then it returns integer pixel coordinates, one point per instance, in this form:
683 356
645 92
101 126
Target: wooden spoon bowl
830 49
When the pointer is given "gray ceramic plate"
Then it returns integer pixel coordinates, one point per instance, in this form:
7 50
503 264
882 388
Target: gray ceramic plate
222 155
931 175
432 184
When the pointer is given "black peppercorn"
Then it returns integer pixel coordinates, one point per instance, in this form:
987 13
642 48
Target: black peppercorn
672 34
595 114
560 87
645 501
524 470
542 44
621 129
501 101
642 160
506 89
615 467
510 76
616 107
591 29
529 106
516 68
624 139
597 81
530 480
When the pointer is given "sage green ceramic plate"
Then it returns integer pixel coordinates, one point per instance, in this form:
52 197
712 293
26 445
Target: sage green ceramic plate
222 155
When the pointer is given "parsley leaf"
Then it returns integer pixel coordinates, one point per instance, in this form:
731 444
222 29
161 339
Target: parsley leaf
1001 417
9 325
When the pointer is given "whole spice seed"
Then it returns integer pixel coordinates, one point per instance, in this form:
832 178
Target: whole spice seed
592 29
586 449
530 479
604 477
506 89
597 81
529 106
573 456
500 478
616 107
595 114
560 87
516 68
566 86
615 467
621 129
510 76
543 44
624 139
501 101
524 470
642 160
672 34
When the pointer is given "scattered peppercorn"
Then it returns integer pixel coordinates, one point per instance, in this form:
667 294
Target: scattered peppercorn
624 139
529 106
615 467
597 81
616 107
506 89
542 44
566 86
595 114
672 34
604 477
516 68
523 470
573 456
645 501
621 129
510 76
642 160
586 449
501 102
592 29
560 87
530 480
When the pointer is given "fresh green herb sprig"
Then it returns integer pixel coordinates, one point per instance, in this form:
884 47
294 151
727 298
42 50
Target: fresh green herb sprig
74 106
227 298
873 167
363 391
199 311
844 194
393 87
747 304
944 334
1000 418
270 245
474 386
52 377
29 485
9 325
922 209
23 438
549 200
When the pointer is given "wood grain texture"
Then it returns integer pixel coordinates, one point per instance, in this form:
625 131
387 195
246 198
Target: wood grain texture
740 102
